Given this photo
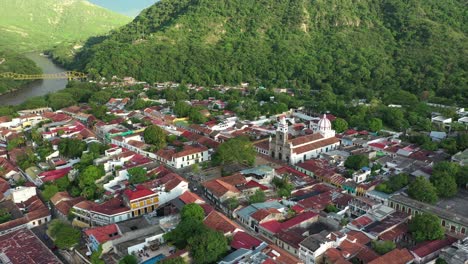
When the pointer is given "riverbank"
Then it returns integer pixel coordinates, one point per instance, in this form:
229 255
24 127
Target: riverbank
35 88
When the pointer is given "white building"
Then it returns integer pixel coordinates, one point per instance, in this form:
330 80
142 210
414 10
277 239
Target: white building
299 149
188 156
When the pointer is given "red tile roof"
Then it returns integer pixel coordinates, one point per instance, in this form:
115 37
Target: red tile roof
244 240
139 192
23 247
261 214
394 233
316 145
275 226
53 175
255 184
219 222
362 221
396 256
104 233
425 248
190 197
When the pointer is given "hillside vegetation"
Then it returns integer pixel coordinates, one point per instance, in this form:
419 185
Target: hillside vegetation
27 25
353 48
13 62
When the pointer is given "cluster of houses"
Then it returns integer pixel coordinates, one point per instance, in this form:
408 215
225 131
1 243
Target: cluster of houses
329 216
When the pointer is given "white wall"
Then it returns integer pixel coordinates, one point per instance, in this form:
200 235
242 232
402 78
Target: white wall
22 194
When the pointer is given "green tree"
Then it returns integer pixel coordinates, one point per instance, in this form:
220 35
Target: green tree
192 212
440 261
331 208
64 235
444 178
90 175
425 227
356 162
71 148
137 175
49 191
422 190
129 259
340 125
5 216
96 256
60 100
257 197
181 109
208 247
375 124
184 230
237 150
283 186
155 135
383 247
232 203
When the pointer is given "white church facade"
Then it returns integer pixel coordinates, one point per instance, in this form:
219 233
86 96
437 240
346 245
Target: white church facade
294 150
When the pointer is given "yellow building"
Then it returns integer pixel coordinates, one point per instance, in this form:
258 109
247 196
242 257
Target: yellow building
141 200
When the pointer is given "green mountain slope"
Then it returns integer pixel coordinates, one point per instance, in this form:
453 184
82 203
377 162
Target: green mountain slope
40 24
13 62
355 48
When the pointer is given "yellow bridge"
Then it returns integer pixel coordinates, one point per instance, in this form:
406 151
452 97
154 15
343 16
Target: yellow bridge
70 75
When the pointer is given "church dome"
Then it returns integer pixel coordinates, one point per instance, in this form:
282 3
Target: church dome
324 124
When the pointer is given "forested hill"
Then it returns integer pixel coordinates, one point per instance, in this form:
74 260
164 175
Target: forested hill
355 48
27 25
13 62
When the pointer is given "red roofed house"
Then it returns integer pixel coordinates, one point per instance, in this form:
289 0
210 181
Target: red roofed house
141 200
244 240
100 235
8 170
429 250
219 222
271 228
112 211
63 202
221 189
396 256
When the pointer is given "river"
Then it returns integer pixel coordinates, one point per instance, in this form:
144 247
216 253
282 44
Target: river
39 87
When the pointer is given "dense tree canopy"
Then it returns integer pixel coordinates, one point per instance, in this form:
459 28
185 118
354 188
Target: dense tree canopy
405 51
236 150
356 162
64 235
422 190
340 125
426 227
193 212
155 136
137 175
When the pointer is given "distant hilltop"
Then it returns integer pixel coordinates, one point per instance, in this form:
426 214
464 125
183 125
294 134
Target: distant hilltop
27 25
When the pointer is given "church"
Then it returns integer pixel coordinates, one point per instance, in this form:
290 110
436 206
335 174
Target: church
294 150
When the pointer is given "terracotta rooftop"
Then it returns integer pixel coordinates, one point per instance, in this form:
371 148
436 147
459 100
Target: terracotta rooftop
104 233
244 240
139 192
261 214
425 248
220 222
23 247
189 197
396 256
305 139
